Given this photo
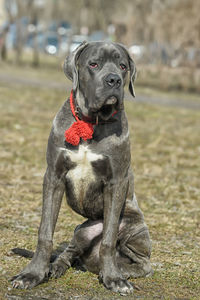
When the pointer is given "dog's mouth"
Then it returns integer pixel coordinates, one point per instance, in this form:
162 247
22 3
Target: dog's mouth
108 108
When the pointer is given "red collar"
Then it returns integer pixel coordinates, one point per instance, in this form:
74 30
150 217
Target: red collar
72 106
79 129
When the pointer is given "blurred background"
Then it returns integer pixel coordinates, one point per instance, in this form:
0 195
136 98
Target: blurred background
162 35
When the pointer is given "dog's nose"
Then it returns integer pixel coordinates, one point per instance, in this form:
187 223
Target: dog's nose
113 80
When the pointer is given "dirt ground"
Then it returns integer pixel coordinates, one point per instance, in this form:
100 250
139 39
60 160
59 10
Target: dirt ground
166 160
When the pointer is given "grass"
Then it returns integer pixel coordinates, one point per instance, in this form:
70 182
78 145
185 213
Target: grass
166 161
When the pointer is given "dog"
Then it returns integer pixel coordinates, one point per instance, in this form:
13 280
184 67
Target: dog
89 159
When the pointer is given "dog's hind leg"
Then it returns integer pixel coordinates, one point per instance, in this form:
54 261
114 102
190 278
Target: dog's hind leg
134 245
83 248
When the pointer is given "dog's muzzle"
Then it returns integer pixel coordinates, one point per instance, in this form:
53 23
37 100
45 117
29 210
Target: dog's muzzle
112 84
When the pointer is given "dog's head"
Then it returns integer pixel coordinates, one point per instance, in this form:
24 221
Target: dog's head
98 71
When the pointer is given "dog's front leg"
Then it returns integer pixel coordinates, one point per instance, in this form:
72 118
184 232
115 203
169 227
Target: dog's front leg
114 198
37 270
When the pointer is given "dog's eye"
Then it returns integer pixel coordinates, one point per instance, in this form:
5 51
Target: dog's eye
123 67
93 65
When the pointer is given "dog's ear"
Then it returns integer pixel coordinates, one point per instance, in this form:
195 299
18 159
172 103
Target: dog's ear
70 64
133 73
132 69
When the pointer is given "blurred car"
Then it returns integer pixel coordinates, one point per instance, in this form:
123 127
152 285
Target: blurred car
51 43
98 36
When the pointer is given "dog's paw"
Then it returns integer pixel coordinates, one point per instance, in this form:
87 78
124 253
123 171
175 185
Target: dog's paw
27 280
57 269
117 285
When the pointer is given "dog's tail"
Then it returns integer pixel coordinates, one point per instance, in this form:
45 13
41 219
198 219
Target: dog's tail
22 252
77 263
29 254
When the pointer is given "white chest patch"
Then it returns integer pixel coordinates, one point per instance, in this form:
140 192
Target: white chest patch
82 175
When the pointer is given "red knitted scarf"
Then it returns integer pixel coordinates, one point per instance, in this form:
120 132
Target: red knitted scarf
79 129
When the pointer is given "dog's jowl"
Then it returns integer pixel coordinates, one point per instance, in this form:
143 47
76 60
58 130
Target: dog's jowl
89 160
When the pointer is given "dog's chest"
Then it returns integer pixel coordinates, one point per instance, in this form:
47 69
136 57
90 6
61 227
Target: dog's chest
82 175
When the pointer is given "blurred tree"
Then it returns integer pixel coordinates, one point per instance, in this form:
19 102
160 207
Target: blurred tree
35 12
173 23
16 10
94 14
3 47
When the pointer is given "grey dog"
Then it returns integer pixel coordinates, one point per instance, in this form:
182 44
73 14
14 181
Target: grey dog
96 177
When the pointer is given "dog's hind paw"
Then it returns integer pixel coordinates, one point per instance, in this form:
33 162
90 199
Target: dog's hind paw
58 268
121 286
117 285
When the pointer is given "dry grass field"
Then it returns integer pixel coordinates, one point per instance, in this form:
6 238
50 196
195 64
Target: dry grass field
166 161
